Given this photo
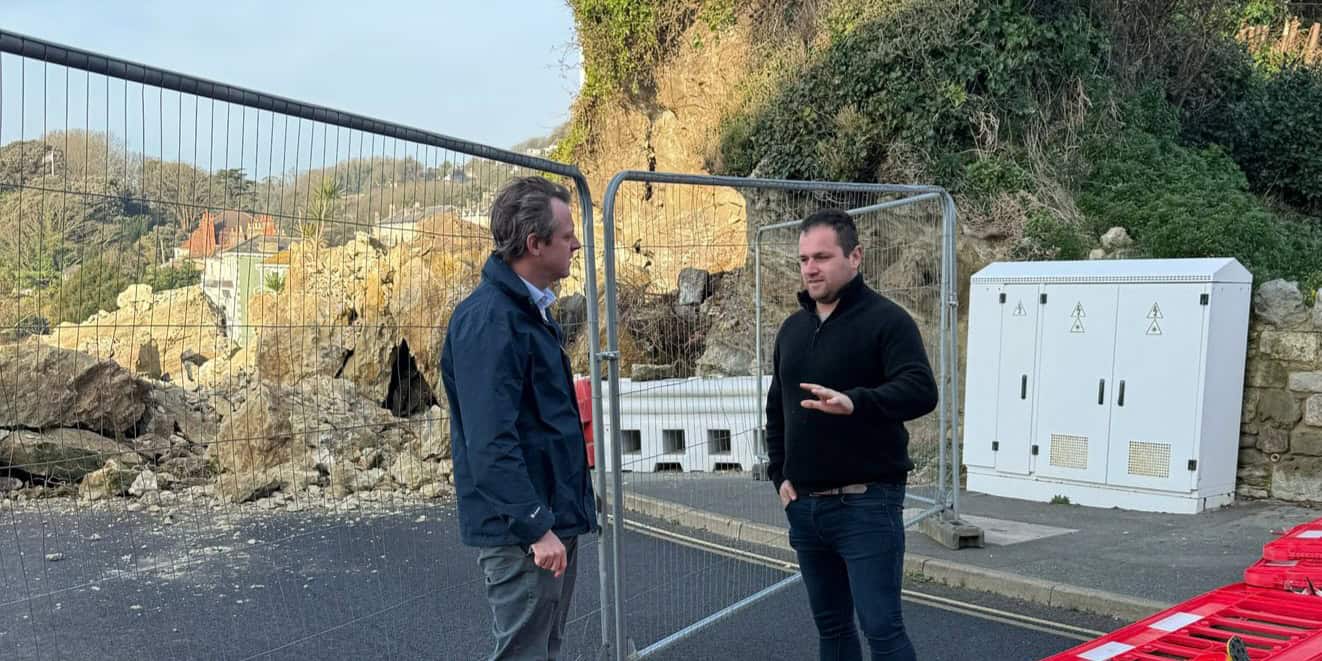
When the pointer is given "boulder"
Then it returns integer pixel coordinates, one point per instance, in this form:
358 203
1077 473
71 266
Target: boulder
150 331
1116 238
432 432
74 390
1280 303
645 372
110 481
692 286
66 455
413 473
323 423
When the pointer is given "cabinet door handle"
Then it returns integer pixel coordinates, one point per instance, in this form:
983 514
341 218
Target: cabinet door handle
1120 397
1023 387
1101 391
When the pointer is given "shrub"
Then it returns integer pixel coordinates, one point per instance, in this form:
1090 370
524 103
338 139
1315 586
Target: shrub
1266 116
1054 237
915 73
1190 202
94 286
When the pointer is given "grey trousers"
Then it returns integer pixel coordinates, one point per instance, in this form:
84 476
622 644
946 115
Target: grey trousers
528 604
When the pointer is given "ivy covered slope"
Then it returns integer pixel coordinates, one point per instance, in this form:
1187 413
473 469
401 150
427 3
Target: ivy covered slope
1051 120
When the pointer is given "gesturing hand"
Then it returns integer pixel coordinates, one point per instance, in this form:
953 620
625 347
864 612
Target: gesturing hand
828 401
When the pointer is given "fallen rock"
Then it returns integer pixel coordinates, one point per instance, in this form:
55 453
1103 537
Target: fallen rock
322 420
75 390
169 322
188 469
143 484
413 473
172 411
692 286
112 480
645 372
66 455
433 434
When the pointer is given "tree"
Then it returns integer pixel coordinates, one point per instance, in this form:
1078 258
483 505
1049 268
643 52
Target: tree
91 160
323 209
232 189
180 191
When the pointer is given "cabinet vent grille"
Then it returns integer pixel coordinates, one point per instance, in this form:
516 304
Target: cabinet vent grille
1149 459
1069 451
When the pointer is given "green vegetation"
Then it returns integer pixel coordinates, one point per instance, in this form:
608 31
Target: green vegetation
920 74
274 282
1050 121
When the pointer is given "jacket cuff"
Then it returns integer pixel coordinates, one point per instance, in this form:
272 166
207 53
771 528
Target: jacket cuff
858 397
530 527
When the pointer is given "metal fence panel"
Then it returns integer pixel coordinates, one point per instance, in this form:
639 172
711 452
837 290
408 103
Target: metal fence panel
700 272
222 422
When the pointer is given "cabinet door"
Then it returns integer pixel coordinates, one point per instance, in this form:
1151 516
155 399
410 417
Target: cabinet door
1075 392
1159 342
1017 380
982 368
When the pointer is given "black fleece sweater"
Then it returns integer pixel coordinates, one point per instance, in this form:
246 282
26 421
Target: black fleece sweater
869 348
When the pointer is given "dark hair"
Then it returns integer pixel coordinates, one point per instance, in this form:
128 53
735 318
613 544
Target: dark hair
846 233
523 209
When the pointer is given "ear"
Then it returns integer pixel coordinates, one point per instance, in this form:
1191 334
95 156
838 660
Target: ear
856 256
533 245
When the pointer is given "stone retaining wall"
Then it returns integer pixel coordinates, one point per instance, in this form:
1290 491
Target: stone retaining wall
1280 452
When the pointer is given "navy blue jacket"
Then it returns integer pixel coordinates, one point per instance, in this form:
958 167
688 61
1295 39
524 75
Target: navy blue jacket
520 465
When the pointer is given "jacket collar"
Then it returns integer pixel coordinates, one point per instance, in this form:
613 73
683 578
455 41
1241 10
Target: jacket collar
848 296
502 277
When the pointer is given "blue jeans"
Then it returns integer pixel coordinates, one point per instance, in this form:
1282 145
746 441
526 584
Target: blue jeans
851 555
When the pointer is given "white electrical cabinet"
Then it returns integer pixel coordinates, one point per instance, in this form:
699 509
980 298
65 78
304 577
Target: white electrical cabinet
1113 383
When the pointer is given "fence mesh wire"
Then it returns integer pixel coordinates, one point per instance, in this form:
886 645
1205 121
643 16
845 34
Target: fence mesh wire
222 424
692 395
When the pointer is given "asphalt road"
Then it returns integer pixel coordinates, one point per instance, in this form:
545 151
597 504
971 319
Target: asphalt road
394 584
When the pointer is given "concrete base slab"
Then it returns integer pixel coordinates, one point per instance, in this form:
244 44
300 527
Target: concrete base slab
951 533
1000 532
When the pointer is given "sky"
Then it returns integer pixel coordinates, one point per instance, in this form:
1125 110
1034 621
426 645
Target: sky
495 72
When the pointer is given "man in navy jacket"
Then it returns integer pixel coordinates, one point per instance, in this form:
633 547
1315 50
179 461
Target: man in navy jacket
520 464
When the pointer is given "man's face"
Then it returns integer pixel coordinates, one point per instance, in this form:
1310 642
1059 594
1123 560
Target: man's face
554 257
825 268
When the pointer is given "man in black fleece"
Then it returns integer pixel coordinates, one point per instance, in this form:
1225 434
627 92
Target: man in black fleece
849 370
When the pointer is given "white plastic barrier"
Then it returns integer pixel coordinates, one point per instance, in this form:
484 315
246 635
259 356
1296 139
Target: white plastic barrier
692 424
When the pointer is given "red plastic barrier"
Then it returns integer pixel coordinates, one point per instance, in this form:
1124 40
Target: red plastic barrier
583 392
1303 542
1274 625
1302 576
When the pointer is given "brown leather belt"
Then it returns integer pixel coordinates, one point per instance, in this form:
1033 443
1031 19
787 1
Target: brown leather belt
848 488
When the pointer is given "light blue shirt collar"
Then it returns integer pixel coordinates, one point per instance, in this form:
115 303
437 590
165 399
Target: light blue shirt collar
543 298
